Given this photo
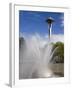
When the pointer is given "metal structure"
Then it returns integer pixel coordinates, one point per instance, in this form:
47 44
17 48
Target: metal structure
50 20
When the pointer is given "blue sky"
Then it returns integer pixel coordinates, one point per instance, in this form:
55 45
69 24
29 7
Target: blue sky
31 22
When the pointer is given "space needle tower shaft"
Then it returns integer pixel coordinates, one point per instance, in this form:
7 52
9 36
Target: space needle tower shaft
50 20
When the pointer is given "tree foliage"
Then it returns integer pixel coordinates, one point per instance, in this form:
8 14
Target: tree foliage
58 56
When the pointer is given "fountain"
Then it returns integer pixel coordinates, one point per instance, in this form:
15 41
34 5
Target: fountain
34 58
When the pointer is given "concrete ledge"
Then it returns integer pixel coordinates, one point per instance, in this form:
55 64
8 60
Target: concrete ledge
57 69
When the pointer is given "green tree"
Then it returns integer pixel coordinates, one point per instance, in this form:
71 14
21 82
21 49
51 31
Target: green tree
58 56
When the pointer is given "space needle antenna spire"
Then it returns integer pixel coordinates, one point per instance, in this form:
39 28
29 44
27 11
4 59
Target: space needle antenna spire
50 20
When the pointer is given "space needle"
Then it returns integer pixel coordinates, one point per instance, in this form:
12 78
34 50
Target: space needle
50 20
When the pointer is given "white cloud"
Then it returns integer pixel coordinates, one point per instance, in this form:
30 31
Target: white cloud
56 38
40 39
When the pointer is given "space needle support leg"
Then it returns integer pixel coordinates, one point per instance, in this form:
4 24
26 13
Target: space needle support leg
50 31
